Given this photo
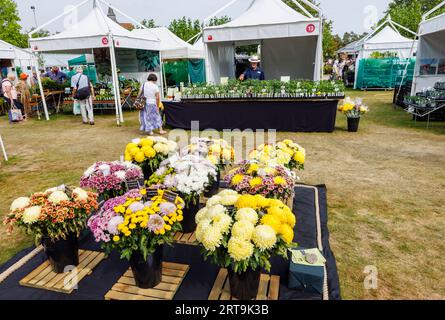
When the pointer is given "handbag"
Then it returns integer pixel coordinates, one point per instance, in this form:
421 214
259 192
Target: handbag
82 93
141 100
15 114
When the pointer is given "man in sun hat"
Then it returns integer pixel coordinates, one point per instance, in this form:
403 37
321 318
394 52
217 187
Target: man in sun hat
253 72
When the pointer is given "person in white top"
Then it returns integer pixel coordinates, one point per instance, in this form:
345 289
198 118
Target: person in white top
10 92
78 82
150 117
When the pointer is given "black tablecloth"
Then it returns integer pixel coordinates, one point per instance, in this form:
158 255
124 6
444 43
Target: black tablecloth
281 115
201 276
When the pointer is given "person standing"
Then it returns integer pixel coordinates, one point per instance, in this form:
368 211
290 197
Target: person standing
24 94
83 94
254 72
56 75
150 117
10 92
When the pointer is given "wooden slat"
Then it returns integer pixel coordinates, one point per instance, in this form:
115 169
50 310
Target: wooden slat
262 289
172 276
72 283
35 272
225 293
185 237
177 236
75 272
219 283
274 288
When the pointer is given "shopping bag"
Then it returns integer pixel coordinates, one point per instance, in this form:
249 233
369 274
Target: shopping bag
15 114
76 108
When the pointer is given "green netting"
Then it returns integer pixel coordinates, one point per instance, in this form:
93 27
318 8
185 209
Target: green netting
184 71
384 73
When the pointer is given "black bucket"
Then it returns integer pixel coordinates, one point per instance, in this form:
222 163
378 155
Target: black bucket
147 274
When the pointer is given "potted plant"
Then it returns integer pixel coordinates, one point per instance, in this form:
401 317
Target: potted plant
241 233
138 225
108 178
251 177
56 217
353 110
189 175
149 152
217 151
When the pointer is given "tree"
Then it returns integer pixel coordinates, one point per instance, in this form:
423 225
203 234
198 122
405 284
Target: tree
349 37
9 24
185 28
215 21
149 23
40 34
331 42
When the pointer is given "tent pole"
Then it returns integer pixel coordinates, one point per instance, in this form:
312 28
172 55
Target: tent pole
42 94
115 84
163 80
299 5
125 15
219 11
3 148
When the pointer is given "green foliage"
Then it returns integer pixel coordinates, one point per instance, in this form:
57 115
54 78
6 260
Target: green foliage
185 28
331 42
149 23
217 21
40 34
383 55
10 24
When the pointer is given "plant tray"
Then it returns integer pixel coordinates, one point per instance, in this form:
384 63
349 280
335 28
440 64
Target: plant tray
185 238
172 276
43 277
268 290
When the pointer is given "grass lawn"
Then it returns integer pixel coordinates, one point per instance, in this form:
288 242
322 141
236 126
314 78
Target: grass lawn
386 189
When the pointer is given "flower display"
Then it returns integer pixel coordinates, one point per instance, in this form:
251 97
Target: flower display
108 178
217 151
286 153
150 151
133 222
256 178
246 233
53 214
190 175
353 108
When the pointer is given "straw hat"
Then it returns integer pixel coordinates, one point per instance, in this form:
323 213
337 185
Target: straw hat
23 76
254 59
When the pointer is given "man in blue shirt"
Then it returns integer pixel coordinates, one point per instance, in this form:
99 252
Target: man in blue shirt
56 75
253 72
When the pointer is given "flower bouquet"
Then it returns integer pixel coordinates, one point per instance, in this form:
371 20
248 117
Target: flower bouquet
217 151
56 217
138 226
286 153
255 178
241 233
108 178
353 110
149 152
189 176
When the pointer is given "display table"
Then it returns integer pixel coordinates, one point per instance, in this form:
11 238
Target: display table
287 115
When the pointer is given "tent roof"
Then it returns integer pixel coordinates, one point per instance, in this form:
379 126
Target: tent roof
350 47
433 25
388 35
6 50
264 19
93 32
171 46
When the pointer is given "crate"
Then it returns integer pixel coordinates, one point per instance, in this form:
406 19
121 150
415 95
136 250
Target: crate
185 238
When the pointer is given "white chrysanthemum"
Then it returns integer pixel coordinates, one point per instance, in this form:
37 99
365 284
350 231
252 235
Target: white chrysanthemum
201 228
51 190
161 148
229 200
264 237
31 215
90 171
19 203
120 175
201 215
57 196
80 194
239 249
243 230
247 214
212 238
213 201
223 222
114 223
215 210
227 192
105 168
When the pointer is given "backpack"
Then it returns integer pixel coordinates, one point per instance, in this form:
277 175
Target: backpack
82 93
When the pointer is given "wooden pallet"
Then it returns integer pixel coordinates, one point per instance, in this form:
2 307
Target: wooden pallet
43 277
185 238
268 290
172 276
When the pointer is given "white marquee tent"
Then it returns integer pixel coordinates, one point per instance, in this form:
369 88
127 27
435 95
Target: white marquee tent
430 60
6 51
291 43
96 30
19 57
385 38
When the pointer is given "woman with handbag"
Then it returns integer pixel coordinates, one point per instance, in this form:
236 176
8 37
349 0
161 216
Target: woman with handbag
10 95
149 116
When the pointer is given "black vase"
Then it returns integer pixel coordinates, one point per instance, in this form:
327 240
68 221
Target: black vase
189 214
147 273
62 253
244 286
214 187
353 124
148 172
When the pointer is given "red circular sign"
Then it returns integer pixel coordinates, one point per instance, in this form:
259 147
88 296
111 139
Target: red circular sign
104 41
210 38
310 28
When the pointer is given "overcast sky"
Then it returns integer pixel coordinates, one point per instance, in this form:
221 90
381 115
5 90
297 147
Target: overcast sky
348 15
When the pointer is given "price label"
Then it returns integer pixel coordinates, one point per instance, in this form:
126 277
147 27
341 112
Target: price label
134 184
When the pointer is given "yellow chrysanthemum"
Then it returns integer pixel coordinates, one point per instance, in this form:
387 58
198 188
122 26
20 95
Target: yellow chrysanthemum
237 179
253 168
264 237
278 213
287 233
213 159
134 151
299 157
147 143
257 181
131 146
276 203
212 238
271 221
291 220
262 202
222 221
201 228
116 238
246 201
128 156
243 230
149 152
139 157
280 181
247 214
239 249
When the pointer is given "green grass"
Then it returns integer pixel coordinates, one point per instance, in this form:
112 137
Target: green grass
385 188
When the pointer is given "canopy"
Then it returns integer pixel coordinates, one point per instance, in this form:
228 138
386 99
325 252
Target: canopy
6 50
291 43
430 59
93 31
171 46
83 60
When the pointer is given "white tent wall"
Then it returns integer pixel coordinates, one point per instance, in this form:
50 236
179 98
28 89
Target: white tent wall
278 57
220 61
